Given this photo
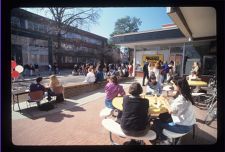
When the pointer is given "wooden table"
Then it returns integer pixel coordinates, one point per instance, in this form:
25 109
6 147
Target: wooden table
156 106
197 83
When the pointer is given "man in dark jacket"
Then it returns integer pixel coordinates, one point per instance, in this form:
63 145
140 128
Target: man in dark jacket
135 115
145 72
37 86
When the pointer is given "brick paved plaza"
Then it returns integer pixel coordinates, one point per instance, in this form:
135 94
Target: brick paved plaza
77 122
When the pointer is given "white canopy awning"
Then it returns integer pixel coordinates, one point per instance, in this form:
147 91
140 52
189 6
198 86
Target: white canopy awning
195 22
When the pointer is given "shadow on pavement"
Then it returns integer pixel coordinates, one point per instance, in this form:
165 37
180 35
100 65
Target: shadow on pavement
57 117
34 113
201 138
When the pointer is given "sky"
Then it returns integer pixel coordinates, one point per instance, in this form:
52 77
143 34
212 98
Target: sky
151 17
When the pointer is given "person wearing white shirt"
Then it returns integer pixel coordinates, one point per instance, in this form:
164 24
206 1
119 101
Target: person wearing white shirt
150 68
156 70
90 77
180 109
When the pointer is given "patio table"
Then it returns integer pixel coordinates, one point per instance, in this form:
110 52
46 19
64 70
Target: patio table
197 83
156 104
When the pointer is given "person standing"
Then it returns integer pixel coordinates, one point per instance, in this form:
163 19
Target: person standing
145 72
49 69
156 70
130 69
171 72
36 69
150 68
165 70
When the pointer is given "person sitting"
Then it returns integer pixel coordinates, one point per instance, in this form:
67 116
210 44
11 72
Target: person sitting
196 68
135 115
54 83
112 90
181 117
90 77
37 87
153 86
193 76
99 74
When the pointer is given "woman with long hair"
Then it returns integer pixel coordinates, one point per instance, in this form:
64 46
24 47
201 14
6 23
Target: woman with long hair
53 84
180 110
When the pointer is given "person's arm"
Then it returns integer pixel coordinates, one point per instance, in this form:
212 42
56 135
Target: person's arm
148 89
159 88
122 92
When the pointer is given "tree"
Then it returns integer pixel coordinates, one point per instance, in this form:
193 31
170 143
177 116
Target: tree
64 18
126 25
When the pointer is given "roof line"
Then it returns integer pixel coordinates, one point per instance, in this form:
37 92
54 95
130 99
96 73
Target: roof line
148 31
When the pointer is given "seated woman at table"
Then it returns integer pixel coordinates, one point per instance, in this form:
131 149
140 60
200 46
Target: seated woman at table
153 86
53 84
193 76
112 90
180 110
135 115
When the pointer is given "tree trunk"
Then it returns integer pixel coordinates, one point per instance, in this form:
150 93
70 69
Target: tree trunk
58 59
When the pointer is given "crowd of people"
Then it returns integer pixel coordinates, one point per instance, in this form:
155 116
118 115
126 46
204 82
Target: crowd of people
98 72
135 117
162 71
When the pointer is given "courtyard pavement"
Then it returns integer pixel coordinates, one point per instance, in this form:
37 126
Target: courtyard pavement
77 122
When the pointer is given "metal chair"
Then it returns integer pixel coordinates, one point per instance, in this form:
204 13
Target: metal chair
176 137
35 96
114 127
106 112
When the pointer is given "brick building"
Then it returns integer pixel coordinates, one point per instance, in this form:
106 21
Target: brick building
34 40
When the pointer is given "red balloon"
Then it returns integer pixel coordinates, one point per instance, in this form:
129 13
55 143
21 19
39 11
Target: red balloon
15 74
13 64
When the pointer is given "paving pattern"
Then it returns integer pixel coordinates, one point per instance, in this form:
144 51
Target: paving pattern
78 123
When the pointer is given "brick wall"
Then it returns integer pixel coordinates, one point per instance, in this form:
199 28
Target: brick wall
72 90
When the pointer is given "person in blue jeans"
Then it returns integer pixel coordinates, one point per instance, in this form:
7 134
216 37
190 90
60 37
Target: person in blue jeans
180 109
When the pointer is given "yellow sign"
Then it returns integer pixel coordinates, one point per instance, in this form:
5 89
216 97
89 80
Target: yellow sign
152 58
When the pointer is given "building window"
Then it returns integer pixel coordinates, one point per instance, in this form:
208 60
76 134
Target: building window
30 25
43 59
15 21
68 59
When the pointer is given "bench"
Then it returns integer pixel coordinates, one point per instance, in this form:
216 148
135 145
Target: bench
104 113
76 89
176 137
197 95
114 127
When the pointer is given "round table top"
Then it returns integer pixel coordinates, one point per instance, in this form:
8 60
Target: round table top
156 104
197 83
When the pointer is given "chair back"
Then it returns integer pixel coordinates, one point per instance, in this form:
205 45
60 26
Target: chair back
36 96
58 89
